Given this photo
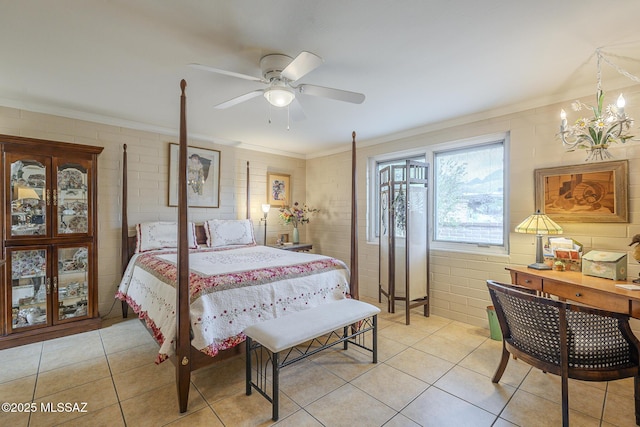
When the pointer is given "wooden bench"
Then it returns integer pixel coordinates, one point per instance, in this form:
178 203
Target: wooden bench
344 321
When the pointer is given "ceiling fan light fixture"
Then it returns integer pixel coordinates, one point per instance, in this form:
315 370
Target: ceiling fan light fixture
279 96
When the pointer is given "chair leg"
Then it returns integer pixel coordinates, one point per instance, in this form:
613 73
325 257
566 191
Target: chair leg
502 366
636 394
565 400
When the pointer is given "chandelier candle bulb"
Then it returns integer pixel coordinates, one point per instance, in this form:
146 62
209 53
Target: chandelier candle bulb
621 103
563 117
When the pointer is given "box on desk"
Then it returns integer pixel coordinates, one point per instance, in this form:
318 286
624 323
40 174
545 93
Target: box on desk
565 250
569 264
608 265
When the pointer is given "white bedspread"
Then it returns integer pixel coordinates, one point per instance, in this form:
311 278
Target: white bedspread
230 290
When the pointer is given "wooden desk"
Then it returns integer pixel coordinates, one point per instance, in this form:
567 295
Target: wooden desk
574 286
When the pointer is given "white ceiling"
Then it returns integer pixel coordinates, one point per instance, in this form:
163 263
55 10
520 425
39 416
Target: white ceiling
419 62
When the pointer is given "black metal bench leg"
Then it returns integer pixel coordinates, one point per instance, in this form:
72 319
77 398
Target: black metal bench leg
275 363
345 332
248 372
375 339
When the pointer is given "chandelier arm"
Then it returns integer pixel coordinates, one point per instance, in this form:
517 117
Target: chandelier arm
612 130
570 144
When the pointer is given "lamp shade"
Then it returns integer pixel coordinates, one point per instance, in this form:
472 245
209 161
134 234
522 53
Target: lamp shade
279 96
538 223
266 207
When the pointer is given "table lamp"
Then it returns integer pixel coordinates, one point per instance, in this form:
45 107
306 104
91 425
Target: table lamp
538 224
265 210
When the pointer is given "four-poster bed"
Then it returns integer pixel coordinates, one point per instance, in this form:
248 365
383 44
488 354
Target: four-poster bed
242 283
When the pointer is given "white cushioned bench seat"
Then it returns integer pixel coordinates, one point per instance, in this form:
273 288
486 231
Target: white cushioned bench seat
288 331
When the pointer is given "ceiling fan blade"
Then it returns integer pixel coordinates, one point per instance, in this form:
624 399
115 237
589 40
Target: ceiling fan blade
302 64
295 110
227 73
327 92
237 100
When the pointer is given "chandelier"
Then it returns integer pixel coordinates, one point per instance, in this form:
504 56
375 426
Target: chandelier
608 125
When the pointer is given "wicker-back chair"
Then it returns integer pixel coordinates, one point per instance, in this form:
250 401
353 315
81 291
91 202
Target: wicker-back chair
569 340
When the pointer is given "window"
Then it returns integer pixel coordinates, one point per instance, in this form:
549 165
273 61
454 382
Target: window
469 204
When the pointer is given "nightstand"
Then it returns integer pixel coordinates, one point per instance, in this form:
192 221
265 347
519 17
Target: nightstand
296 247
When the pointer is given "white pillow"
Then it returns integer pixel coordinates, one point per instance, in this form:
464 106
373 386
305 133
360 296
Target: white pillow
158 235
224 232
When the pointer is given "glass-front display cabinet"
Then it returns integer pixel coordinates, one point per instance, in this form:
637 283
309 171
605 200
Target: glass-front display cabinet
50 282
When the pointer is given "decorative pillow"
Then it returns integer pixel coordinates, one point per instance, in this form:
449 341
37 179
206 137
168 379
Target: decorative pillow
158 235
224 232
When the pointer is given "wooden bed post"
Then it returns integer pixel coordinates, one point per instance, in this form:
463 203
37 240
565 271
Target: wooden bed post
124 258
183 339
125 229
186 358
248 194
353 279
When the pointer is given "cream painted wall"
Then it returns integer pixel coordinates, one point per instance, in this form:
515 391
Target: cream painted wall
458 289
148 155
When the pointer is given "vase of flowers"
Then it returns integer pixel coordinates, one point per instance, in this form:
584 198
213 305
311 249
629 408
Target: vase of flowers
296 215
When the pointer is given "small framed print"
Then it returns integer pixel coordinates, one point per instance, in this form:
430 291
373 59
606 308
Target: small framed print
203 176
278 188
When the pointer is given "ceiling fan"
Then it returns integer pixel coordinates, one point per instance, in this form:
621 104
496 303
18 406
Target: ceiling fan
279 72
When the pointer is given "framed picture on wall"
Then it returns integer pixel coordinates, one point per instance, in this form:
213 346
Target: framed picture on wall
203 176
278 188
595 192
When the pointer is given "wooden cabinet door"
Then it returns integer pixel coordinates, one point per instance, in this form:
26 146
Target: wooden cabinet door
29 288
71 282
72 190
28 191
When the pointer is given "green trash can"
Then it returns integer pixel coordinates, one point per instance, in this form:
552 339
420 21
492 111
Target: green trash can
494 325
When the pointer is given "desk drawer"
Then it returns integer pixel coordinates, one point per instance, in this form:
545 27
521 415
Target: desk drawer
602 300
528 281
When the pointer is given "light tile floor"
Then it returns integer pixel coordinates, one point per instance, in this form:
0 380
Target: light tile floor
434 372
